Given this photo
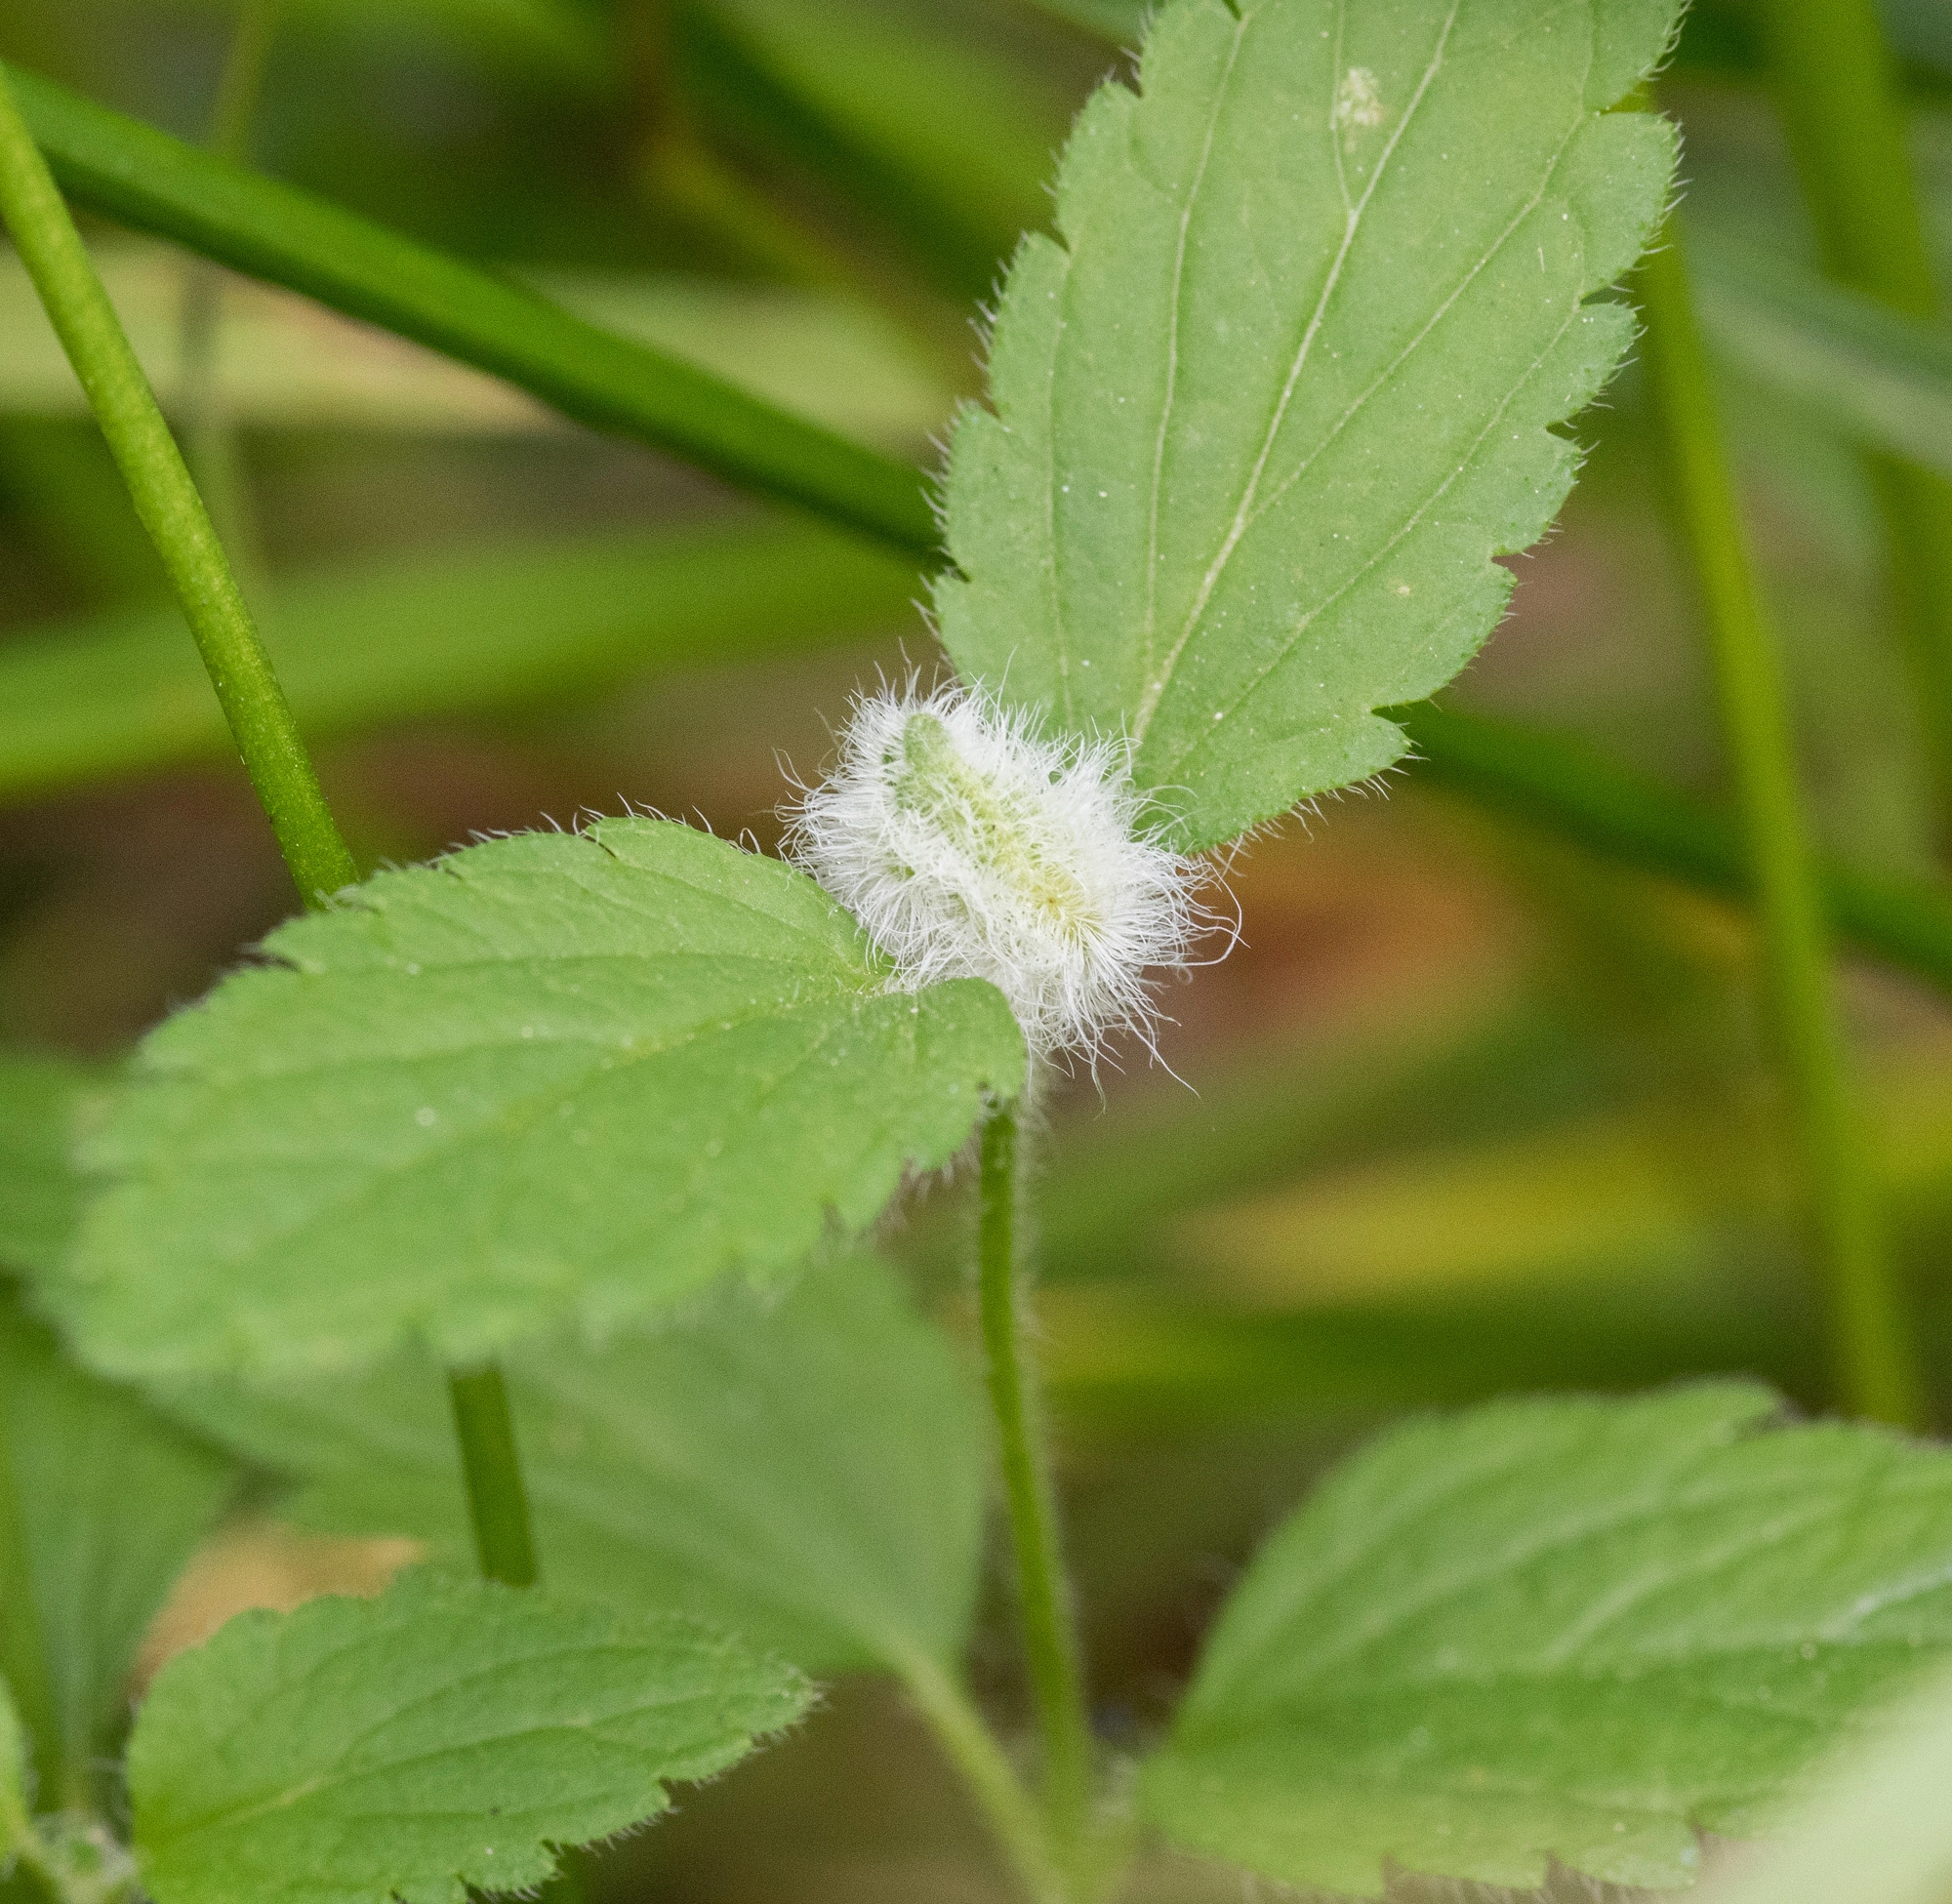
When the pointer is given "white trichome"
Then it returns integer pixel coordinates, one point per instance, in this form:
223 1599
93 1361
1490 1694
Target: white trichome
971 845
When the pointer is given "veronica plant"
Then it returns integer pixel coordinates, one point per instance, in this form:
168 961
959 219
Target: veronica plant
586 1125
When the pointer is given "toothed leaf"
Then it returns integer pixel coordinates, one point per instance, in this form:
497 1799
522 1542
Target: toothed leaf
805 1470
551 1080
443 1736
1581 1628
1286 378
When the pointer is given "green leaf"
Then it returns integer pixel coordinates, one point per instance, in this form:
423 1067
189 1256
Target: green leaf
1265 415
112 1501
444 1735
475 629
1583 1629
1879 1831
560 1078
40 1196
144 178
806 1471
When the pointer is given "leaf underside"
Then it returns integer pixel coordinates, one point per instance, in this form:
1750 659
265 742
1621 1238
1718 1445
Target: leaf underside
1579 1629
440 1737
806 1471
551 1080
113 1500
1285 384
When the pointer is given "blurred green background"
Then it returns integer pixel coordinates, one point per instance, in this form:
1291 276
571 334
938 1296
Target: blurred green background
1467 1111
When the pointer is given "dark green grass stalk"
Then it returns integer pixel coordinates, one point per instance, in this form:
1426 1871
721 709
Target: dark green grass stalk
1045 1606
145 179
1843 111
254 705
1874 1358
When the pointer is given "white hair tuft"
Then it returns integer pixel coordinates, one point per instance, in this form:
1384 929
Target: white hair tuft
969 844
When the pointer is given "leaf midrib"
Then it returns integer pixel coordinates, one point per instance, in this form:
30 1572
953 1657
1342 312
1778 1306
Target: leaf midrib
1155 690
1201 739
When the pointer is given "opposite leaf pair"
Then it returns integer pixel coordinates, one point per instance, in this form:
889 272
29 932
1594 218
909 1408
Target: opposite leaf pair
1262 419
1263 415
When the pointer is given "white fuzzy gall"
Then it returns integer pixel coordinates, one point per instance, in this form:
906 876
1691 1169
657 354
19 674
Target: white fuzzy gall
971 845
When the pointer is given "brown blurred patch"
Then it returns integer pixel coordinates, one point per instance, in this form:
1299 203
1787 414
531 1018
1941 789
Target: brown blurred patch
254 1563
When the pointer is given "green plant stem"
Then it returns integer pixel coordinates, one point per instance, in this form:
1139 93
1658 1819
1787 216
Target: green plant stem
23 1660
171 510
254 705
497 1499
985 1769
1043 1592
1877 1368
1845 114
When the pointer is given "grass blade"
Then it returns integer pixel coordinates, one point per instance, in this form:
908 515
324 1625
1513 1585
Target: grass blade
360 647
144 178
1877 374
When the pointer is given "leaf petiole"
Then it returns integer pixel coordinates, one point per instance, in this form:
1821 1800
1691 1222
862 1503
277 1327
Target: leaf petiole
986 1772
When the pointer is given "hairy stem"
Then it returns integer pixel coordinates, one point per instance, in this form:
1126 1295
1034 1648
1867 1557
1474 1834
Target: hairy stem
986 1770
1875 1360
1043 1591
497 1500
171 510
1845 115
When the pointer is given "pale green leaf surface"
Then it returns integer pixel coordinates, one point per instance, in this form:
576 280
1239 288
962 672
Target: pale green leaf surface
558 1078
805 1470
113 1500
1578 1629
39 1192
1286 382
441 1737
